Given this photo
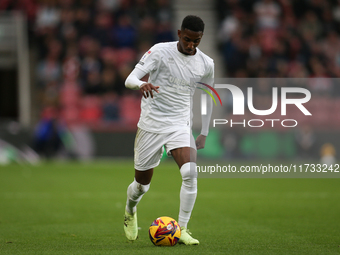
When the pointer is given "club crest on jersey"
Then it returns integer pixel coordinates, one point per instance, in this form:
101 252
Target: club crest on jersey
141 62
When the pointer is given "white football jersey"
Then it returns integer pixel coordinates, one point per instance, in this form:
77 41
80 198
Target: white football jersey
176 75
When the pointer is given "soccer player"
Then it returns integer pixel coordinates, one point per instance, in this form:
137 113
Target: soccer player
165 119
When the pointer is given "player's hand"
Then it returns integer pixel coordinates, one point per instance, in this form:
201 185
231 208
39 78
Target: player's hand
200 142
147 88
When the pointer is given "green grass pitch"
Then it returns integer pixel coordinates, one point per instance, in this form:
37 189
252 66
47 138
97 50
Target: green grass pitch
77 208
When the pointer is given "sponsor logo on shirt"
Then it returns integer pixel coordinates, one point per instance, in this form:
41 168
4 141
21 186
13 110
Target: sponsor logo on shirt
178 84
141 62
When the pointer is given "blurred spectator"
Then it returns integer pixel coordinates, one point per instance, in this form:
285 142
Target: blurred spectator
124 72
91 61
235 52
255 51
111 107
331 49
228 26
278 59
297 70
71 63
311 25
306 142
164 32
67 19
67 4
107 5
101 28
141 9
83 22
123 33
317 6
50 96
83 146
49 69
327 153
111 81
49 133
92 84
328 22
319 86
336 12
146 30
48 16
268 14
164 11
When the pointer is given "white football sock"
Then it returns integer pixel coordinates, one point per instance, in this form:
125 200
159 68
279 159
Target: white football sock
188 192
135 193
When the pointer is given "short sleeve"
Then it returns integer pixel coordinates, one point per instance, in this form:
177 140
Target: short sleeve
149 60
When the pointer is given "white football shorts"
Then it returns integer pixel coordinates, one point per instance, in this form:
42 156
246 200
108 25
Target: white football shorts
149 146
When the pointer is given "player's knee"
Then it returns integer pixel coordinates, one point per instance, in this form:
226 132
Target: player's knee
189 174
188 171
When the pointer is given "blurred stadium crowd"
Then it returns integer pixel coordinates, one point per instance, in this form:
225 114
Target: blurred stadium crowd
86 49
285 39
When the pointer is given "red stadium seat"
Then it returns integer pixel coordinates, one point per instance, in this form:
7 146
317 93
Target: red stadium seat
70 114
130 108
91 109
69 94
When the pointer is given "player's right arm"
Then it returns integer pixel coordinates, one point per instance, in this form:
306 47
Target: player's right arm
147 64
133 81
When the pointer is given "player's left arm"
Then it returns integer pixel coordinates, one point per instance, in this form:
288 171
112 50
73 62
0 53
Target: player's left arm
200 140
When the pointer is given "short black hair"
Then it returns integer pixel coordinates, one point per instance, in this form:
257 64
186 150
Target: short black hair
193 23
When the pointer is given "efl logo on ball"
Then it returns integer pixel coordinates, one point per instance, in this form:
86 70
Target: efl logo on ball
164 231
